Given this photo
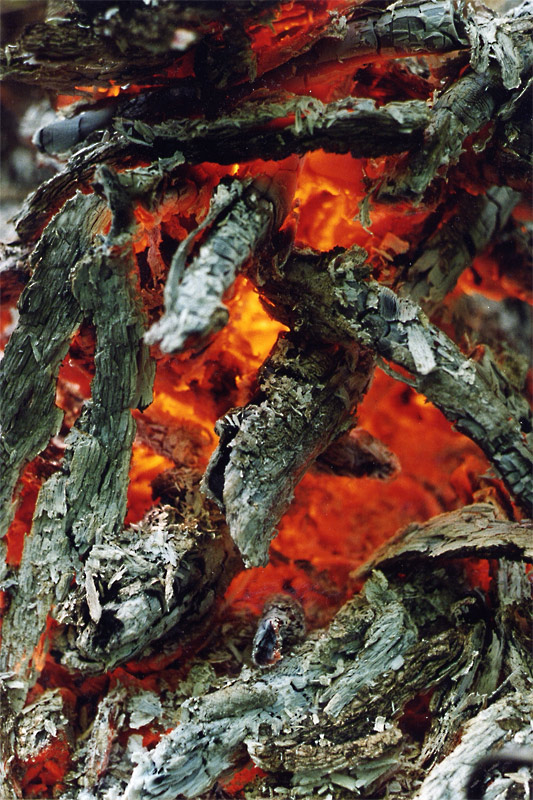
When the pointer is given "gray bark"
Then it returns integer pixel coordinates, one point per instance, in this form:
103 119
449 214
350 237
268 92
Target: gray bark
241 217
350 125
443 256
341 305
162 575
472 530
315 719
307 396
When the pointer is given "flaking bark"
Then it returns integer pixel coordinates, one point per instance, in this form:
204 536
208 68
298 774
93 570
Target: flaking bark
161 575
49 316
308 394
473 530
341 305
86 500
239 219
325 691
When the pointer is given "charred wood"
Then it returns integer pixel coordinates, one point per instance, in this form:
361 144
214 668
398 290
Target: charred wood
473 530
497 82
239 219
358 454
308 394
84 501
444 255
49 315
161 575
341 305
323 691
351 125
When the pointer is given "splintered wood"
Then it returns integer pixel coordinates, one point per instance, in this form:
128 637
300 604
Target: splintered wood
146 657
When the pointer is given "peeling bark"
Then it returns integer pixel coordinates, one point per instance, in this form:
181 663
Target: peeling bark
307 396
341 305
473 530
325 691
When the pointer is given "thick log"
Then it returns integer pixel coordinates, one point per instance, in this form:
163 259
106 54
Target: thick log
341 305
308 395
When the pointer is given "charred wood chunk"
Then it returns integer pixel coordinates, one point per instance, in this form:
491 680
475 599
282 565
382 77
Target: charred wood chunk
161 575
358 454
326 690
307 395
500 730
342 305
238 221
352 125
282 623
412 27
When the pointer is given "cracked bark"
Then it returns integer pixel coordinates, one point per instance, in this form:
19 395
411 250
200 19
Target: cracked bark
308 394
342 306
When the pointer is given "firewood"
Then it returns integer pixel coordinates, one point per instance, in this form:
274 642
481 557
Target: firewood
451 248
342 306
50 315
307 395
325 691
239 219
351 125
502 65
188 130
161 575
472 529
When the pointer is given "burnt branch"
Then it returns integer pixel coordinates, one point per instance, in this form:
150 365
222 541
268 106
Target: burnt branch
358 454
49 316
341 305
239 219
308 394
86 499
471 531
326 688
443 256
351 125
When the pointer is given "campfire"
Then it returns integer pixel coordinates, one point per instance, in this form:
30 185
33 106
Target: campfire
266 430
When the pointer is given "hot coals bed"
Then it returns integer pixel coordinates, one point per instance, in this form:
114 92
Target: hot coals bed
266 458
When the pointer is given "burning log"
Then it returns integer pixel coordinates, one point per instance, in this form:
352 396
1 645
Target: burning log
143 655
341 305
307 395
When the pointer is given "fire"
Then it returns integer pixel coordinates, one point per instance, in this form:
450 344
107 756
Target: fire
335 523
